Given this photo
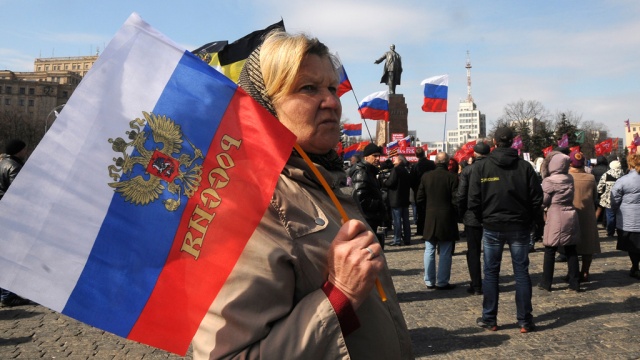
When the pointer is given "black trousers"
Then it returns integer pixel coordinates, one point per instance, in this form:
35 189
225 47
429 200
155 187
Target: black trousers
549 264
422 214
474 249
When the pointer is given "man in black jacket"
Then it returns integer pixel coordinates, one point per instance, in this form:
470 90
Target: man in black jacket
366 188
420 168
437 193
10 164
472 226
398 185
504 193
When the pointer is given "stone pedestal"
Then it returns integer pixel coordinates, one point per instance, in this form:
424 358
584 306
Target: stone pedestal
398 114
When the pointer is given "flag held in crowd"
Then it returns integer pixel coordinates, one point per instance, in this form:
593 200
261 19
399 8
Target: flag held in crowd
547 150
345 85
134 192
517 143
604 147
435 93
564 142
628 125
375 106
230 58
352 129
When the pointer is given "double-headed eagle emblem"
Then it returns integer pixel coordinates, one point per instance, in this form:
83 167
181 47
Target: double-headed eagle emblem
143 174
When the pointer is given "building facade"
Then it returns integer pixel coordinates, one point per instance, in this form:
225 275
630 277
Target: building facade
37 94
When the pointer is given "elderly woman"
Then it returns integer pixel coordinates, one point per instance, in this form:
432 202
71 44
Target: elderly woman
562 225
304 285
625 200
584 200
605 185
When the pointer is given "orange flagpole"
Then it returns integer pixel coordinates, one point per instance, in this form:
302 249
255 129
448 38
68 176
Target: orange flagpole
335 201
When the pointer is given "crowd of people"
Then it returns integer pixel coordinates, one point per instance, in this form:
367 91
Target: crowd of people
502 199
320 278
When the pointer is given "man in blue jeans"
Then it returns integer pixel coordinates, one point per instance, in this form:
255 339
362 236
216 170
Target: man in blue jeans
399 186
504 193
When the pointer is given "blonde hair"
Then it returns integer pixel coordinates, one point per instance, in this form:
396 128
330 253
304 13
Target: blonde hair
633 160
281 56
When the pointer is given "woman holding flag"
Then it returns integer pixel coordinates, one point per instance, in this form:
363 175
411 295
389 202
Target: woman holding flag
304 287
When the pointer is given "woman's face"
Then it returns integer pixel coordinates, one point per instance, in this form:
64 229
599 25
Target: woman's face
312 110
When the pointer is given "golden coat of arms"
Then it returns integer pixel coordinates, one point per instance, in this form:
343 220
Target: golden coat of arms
155 163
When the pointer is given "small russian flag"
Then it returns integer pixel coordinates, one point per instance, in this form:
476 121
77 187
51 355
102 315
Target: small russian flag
435 93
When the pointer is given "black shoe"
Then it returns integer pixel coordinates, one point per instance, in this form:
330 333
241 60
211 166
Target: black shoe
561 258
393 244
474 291
544 287
445 287
575 289
431 287
527 328
634 273
485 325
532 249
14 300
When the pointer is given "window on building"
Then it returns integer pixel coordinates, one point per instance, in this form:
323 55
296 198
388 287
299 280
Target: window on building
65 94
21 102
66 66
39 68
32 91
46 68
23 91
7 101
7 89
31 102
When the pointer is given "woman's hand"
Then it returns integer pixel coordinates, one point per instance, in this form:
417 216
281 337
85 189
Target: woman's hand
354 261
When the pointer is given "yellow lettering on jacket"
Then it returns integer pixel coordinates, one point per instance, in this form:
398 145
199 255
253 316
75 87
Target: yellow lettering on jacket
210 199
489 179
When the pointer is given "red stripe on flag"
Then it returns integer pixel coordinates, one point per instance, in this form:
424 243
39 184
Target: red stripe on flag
374 114
434 105
235 190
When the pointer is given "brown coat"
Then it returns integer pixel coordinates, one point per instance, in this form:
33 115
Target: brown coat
584 197
562 226
272 305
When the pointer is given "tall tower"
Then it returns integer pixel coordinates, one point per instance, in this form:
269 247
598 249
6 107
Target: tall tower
472 124
468 67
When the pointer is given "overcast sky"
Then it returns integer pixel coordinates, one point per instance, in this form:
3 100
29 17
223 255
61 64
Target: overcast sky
579 56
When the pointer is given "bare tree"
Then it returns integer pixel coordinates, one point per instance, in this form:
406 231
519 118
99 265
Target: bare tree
19 125
522 110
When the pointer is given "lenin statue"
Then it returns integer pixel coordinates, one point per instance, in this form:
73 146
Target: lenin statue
392 69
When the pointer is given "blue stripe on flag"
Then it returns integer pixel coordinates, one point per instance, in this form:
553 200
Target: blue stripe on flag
435 91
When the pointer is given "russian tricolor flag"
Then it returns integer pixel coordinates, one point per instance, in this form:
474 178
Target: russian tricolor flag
345 84
352 129
375 106
435 93
135 207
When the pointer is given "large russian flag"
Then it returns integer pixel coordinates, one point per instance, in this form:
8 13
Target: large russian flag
135 207
435 93
375 106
